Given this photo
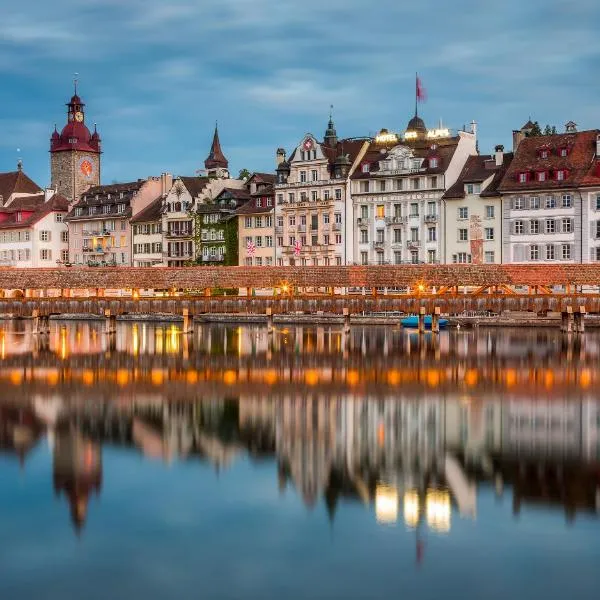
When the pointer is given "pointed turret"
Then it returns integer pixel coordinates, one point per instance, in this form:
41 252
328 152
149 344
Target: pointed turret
216 163
330 138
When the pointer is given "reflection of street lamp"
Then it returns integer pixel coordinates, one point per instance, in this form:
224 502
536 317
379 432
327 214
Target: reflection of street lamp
386 504
411 508
437 507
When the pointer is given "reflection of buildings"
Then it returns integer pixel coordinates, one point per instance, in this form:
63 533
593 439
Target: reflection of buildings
20 431
77 471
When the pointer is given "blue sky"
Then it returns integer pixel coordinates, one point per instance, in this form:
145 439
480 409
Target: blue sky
156 75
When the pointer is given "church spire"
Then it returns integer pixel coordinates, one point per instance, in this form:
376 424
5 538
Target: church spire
216 162
330 138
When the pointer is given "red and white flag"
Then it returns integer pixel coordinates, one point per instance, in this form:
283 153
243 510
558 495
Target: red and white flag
420 90
251 248
297 248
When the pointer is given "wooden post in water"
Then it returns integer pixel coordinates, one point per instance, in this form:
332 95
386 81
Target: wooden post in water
579 318
346 320
421 324
567 320
188 321
269 312
435 320
110 322
35 315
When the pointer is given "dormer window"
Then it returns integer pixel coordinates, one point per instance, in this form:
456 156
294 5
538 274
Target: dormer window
19 217
564 151
523 177
365 168
72 140
560 175
258 203
541 175
433 163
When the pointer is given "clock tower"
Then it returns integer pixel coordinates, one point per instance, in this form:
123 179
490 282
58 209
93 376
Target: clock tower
74 153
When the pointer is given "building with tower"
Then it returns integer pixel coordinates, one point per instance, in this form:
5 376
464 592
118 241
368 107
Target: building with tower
74 153
312 206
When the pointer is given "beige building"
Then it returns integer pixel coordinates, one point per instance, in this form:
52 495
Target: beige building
256 230
472 211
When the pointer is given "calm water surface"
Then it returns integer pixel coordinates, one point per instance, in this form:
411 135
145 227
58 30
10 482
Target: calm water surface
310 465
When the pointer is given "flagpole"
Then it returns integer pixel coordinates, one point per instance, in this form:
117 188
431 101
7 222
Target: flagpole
416 94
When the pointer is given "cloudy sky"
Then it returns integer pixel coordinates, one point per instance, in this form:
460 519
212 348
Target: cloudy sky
156 75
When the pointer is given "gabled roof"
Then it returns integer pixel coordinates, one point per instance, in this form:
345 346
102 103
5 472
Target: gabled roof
250 208
477 169
195 185
31 214
16 182
262 178
152 212
581 162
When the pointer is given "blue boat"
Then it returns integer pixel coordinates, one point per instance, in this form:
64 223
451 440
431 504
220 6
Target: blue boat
413 322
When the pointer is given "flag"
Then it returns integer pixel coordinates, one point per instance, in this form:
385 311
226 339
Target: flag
421 93
297 248
251 248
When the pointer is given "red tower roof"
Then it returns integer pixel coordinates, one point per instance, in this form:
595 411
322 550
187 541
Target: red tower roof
216 159
75 134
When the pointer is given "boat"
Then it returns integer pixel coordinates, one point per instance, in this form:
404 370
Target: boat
413 322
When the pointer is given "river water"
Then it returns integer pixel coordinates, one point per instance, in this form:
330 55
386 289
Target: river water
306 464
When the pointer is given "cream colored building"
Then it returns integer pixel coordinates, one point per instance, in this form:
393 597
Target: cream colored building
472 211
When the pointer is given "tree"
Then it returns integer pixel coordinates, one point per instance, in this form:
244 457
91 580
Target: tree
244 174
535 130
550 130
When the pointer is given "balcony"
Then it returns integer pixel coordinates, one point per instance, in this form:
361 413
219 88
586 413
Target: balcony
398 220
178 255
97 233
278 228
217 258
379 245
179 233
361 221
431 218
413 243
302 228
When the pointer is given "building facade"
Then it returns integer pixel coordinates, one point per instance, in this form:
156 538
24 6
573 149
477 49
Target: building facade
472 211
312 204
74 154
256 218
397 189
147 236
99 227
551 198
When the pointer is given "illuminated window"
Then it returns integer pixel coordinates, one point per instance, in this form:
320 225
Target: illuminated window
380 211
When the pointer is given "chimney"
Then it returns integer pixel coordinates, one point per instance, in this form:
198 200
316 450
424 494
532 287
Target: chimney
474 127
499 154
48 193
166 182
280 156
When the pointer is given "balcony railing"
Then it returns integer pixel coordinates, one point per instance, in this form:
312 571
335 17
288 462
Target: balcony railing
398 220
278 228
177 233
362 221
217 258
378 244
302 228
413 243
431 218
97 232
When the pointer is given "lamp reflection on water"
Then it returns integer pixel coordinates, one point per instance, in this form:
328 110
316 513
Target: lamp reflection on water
437 509
411 508
386 504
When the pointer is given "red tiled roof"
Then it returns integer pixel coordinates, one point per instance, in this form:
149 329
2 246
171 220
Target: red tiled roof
216 158
194 185
581 164
263 178
16 182
250 208
31 214
152 212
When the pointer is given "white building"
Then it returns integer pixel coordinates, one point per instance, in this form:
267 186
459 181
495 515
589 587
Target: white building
472 211
397 190
551 198
32 231
147 237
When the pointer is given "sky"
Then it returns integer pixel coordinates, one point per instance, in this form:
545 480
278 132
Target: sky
157 75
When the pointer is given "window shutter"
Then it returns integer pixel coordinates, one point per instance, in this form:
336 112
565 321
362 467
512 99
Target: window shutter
592 254
593 230
557 225
518 252
49 236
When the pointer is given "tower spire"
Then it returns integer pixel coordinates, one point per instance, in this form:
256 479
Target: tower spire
216 162
330 133
75 80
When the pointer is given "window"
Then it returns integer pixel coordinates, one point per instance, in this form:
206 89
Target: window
598 202
541 175
431 209
397 258
398 184
326 239
365 168
302 219
534 252
338 238
338 260
258 222
259 203
27 236
489 233
431 234
45 254
379 236
473 188
314 240
279 221
519 203
58 217
338 218
398 236
64 237
292 240
463 212
124 225
522 177
303 240
280 240
326 219
414 209
279 198
567 226
433 163
534 202
461 258
44 236
550 226
364 186
380 211
259 241
338 194
414 257
560 175
566 252
567 201
326 195
415 183
597 253
303 197
106 209
302 176
543 153
463 235
380 258
364 258
314 175
518 227
291 197
78 212
414 234
431 256
292 220
489 256
248 222
248 261
397 210
269 221
563 152
550 202
550 254
120 209
534 226
269 241
313 195
64 256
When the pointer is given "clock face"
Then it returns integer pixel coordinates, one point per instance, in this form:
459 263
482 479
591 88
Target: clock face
79 116
308 144
86 166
